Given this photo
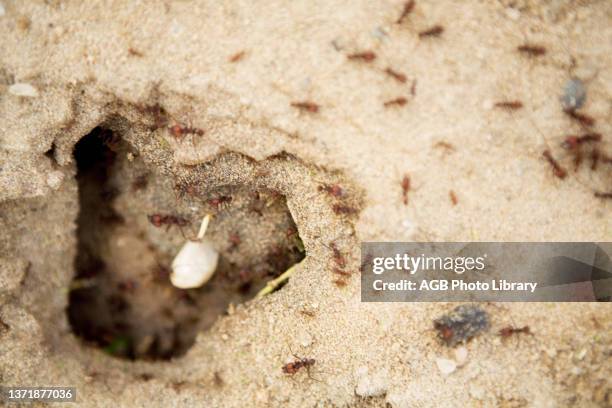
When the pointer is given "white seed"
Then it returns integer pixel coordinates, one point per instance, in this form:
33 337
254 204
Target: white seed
23 89
446 366
196 262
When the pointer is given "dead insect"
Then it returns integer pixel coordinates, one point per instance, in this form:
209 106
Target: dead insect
572 142
332 189
434 31
405 188
365 56
509 105
344 209
532 50
237 57
179 131
453 197
306 106
599 194
583 119
408 7
218 201
557 169
168 220
398 76
401 101
295 366
510 330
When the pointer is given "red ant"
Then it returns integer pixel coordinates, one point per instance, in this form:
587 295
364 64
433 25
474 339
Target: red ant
332 189
168 220
401 101
341 272
218 201
532 50
603 195
434 31
343 209
295 366
572 142
365 56
339 259
584 119
453 197
557 169
398 76
509 105
510 330
234 240
408 7
306 106
237 57
405 188
179 131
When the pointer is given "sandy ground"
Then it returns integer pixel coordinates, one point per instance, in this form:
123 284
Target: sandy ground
233 69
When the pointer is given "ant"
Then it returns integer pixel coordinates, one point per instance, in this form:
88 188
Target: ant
343 209
341 272
179 131
398 76
300 362
405 188
453 197
509 105
557 169
510 330
434 31
168 220
237 57
332 189
365 56
599 194
306 106
408 7
339 259
532 50
572 142
234 240
340 282
583 119
217 201
401 101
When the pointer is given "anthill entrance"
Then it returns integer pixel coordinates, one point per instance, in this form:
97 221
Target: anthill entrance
121 298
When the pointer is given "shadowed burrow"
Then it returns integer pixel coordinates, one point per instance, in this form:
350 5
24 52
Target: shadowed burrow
133 221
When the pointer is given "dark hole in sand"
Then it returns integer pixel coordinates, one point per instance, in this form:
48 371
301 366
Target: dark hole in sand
121 298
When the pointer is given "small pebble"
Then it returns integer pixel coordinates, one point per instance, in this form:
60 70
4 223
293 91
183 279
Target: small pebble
513 13
446 366
461 355
574 94
54 179
23 89
461 324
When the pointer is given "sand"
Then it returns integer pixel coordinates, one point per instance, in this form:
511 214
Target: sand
232 70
